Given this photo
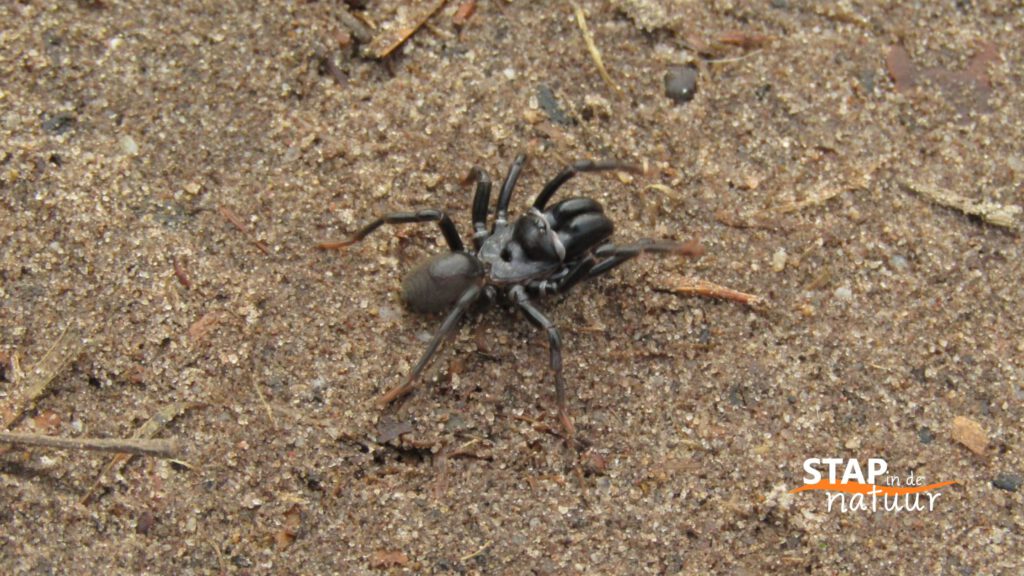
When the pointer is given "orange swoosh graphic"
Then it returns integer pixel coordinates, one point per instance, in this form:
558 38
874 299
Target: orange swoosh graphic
860 488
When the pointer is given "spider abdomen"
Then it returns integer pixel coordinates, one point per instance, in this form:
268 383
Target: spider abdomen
435 285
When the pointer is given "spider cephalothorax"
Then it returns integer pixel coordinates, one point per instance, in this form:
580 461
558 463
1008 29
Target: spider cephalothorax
548 250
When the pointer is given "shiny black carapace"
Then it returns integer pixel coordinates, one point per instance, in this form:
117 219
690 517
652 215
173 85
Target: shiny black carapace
548 250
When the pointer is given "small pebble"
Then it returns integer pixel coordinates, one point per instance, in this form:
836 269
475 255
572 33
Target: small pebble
145 522
59 123
844 293
970 434
1008 481
779 260
681 83
129 146
899 263
549 104
925 435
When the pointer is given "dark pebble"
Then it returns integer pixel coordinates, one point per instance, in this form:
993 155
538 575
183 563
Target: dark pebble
59 123
549 104
925 435
1008 481
145 523
388 430
866 78
681 83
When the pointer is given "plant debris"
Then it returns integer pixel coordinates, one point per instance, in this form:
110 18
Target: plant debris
1004 216
970 434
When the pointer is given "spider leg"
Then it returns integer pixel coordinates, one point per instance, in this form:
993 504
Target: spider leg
577 273
481 202
575 168
506 188
612 255
447 329
538 319
451 235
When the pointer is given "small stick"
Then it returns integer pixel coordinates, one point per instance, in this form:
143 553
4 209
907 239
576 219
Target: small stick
164 447
990 212
360 31
468 557
595 54
332 70
696 287
180 273
64 351
396 393
230 216
150 428
381 46
335 244
441 482
266 405
822 194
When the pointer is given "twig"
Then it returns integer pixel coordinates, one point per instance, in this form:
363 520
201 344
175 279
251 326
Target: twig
64 351
1001 215
147 430
478 552
165 447
383 45
360 31
595 54
539 426
180 273
266 405
696 287
230 216
327 65
822 194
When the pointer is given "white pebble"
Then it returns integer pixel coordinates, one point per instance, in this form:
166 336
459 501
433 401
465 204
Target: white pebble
779 260
129 146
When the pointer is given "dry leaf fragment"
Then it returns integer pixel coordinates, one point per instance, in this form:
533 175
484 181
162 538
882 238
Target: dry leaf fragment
384 43
744 40
463 14
200 328
47 422
970 434
900 68
388 558
284 537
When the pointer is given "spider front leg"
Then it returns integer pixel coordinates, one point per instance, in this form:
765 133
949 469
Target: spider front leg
576 273
481 204
579 167
506 189
612 255
538 319
451 235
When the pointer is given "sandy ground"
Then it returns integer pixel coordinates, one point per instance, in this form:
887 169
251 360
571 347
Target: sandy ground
166 170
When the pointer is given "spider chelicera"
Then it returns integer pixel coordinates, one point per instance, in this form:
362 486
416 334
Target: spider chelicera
546 251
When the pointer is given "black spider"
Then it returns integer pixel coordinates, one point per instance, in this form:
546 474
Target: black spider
546 251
